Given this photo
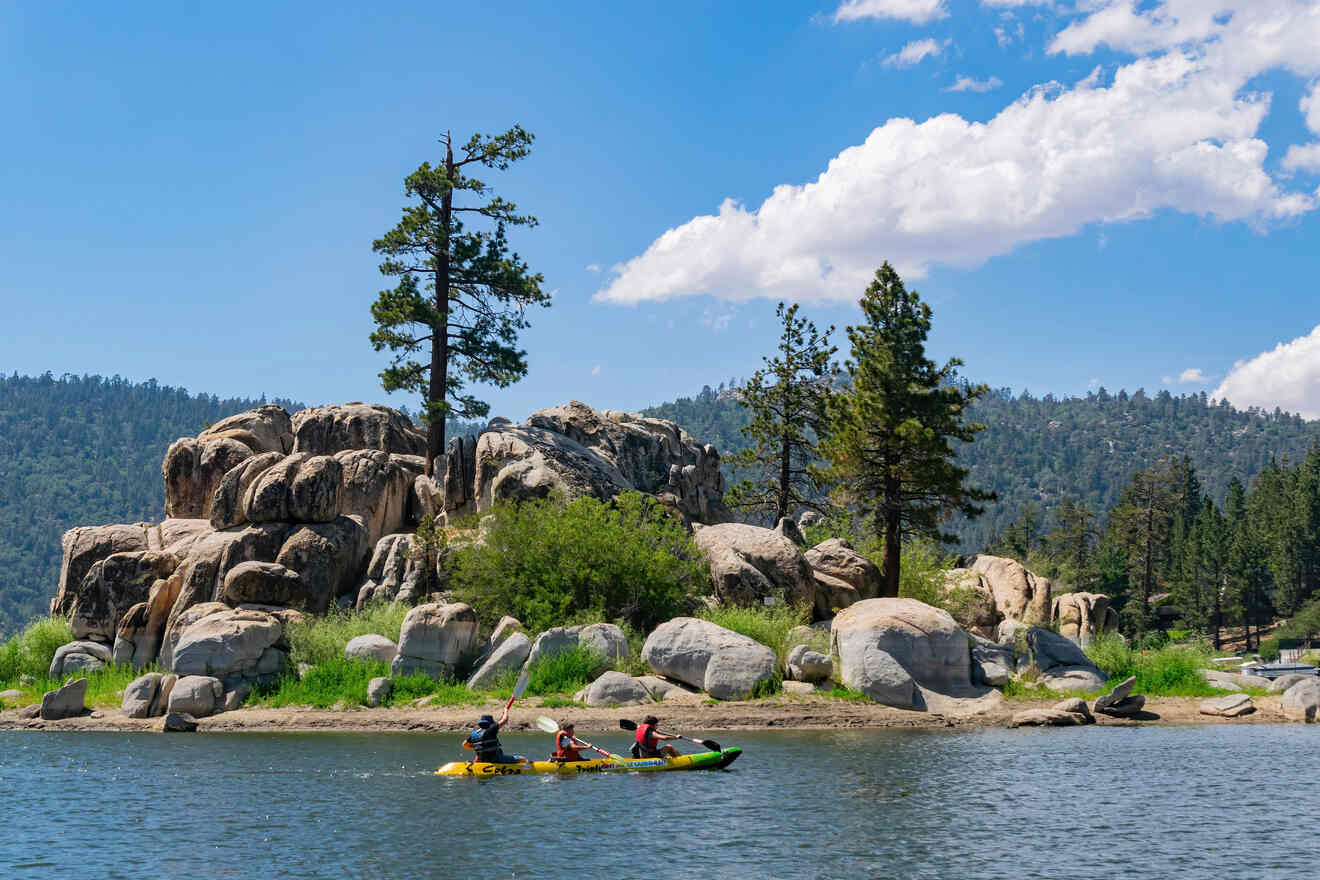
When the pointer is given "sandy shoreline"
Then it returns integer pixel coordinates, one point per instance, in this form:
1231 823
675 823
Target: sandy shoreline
798 713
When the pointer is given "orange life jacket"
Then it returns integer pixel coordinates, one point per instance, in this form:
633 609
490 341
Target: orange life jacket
565 752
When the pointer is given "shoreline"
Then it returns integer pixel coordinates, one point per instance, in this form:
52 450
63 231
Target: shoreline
774 713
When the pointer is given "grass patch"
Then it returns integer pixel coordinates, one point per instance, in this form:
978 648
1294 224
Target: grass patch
1170 671
321 640
325 684
1030 690
564 673
767 624
839 692
559 703
103 685
30 651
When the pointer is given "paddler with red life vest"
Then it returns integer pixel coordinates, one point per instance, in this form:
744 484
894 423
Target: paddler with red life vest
566 744
648 740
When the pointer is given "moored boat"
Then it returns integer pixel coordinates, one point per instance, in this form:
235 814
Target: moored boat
698 761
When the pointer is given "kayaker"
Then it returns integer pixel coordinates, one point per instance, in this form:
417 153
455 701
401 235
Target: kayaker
485 741
648 740
566 745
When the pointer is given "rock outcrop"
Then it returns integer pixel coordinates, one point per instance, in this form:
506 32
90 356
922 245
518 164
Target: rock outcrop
196 695
749 563
1083 616
1019 594
233 645
1301 702
81 655
140 695
1062 665
66 702
614 688
576 451
506 657
329 429
371 647
437 639
804 664
724 664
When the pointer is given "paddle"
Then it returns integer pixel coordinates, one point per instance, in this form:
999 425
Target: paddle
550 725
704 743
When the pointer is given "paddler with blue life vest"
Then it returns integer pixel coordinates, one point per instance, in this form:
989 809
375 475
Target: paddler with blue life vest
647 743
485 741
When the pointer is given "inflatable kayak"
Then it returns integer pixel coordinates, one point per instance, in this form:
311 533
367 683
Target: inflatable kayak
698 761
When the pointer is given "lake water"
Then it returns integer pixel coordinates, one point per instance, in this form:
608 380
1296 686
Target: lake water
1167 802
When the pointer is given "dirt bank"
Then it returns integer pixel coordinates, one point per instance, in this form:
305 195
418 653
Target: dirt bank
795 713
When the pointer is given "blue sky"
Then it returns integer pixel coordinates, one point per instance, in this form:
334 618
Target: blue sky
1088 192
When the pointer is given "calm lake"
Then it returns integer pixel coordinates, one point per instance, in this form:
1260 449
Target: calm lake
1084 802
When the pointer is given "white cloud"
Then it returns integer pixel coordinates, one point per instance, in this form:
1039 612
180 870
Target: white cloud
595 371
593 267
1004 36
718 322
1307 157
1166 380
1172 130
914 52
915 11
1193 376
968 84
1287 377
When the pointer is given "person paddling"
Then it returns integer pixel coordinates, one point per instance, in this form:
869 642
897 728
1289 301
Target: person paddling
485 741
647 743
566 745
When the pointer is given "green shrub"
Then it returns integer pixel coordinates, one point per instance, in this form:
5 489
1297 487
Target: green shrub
320 640
564 673
30 651
1170 671
547 562
326 684
1269 649
767 624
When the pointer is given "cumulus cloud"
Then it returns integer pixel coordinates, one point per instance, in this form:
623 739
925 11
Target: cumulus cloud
915 11
1287 377
593 267
1004 36
1173 128
968 84
1193 376
915 52
1307 157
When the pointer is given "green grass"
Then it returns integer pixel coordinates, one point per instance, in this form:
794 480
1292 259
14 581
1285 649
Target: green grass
30 651
325 684
559 703
839 692
564 673
103 685
1171 671
767 624
318 640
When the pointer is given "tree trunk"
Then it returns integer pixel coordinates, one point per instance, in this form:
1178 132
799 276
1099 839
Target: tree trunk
438 391
785 475
893 539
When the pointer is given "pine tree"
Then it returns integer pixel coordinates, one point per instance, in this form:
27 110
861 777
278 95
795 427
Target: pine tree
786 399
462 318
1143 522
890 429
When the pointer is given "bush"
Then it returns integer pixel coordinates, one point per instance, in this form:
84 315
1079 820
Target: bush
30 652
321 640
1170 671
767 624
1269 649
327 683
564 673
547 562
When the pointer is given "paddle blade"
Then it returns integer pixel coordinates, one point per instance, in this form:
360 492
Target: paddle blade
711 744
549 725
521 686
627 725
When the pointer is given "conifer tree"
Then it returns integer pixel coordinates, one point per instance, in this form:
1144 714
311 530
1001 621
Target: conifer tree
890 429
786 399
1143 520
462 294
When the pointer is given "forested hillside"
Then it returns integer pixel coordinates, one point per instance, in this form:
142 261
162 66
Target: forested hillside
1039 449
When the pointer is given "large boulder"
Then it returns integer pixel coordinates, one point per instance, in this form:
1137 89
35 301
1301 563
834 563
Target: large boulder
267 428
725 664
85 546
1045 718
508 656
327 430
968 598
555 640
605 639
804 664
268 583
1083 616
140 695
371 647
749 563
1062 664
376 487
992 664
1283 682
437 639
232 643
897 650
1301 702
196 695
112 586
837 559
614 688
233 494
1019 593
1234 681
328 558
397 572
193 469
301 488
1229 706
575 451
76 656
65 702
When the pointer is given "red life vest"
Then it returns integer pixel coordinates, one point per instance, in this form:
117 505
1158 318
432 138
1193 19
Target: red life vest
565 752
646 737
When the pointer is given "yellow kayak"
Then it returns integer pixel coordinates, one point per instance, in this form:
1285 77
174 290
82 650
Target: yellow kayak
699 761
